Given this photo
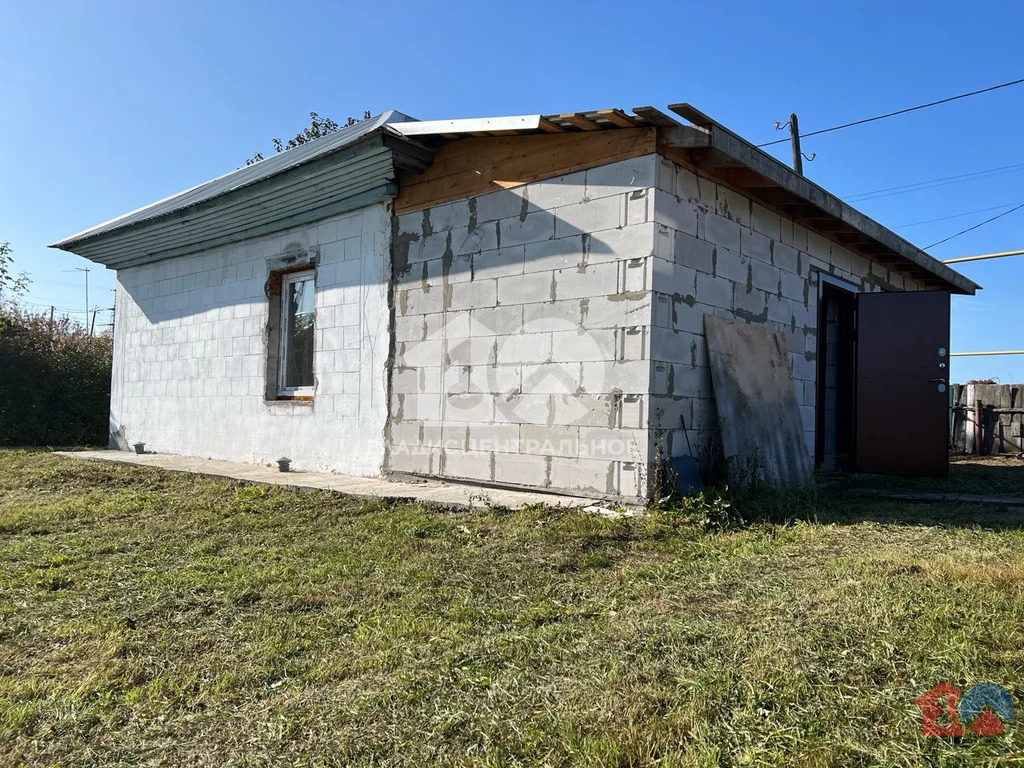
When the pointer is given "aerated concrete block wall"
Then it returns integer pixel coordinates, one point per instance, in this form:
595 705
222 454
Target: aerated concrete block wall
718 252
190 351
522 330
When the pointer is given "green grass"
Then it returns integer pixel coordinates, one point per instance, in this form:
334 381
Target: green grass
986 476
152 618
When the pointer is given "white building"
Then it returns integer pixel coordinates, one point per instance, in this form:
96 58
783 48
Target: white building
513 301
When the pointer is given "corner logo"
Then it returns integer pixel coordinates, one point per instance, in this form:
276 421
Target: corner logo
986 709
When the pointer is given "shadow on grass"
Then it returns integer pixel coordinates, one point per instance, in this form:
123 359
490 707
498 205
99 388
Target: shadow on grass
840 503
988 476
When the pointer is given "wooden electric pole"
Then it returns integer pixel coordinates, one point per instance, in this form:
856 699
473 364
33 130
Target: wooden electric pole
794 135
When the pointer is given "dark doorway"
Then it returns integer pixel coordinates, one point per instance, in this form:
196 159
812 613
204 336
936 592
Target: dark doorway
836 356
902 380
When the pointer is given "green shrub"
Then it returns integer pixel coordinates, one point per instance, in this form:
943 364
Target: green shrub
54 381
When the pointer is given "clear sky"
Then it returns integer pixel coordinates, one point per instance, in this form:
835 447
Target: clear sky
109 106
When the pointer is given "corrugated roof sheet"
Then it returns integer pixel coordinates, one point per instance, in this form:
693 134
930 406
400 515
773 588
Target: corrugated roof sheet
243 177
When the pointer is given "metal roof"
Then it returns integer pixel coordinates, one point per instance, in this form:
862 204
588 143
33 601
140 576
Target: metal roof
242 177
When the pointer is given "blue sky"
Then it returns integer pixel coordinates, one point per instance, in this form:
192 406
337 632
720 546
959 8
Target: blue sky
108 106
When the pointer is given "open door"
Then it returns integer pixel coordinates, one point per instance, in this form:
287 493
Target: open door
902 402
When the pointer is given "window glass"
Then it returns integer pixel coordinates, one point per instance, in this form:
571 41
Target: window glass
300 314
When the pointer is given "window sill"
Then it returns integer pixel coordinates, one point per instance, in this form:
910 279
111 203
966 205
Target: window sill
281 400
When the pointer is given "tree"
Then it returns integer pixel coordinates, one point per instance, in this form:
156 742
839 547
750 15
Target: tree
318 126
11 285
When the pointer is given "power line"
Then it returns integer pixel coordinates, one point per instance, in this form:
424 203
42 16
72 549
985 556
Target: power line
944 181
980 224
899 111
954 216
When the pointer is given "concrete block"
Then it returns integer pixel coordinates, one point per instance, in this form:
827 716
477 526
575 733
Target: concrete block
473 295
455 325
476 407
496 438
457 269
819 247
523 409
589 216
555 193
756 245
632 342
478 350
680 215
634 275
447 216
622 176
714 291
552 316
412 460
417 301
468 465
497 321
527 288
524 348
692 252
536 226
559 377
414 354
592 280
780 310
638 208
499 263
496 379
614 311
673 279
504 204
764 276
554 254
591 344
687 186
633 242
583 410
786 258
720 231
483 237
609 443
732 265
688 316
795 287
520 469
765 221
587 475
422 406
543 440
734 206
841 257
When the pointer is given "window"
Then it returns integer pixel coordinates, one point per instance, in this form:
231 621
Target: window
298 315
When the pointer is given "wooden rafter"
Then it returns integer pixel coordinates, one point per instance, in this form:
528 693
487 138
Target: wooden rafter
617 117
550 127
580 121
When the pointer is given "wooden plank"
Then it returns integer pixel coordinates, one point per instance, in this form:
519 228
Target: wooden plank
581 122
656 117
476 166
550 127
617 117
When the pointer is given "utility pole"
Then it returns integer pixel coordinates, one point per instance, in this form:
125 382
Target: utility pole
86 270
92 327
794 136
51 325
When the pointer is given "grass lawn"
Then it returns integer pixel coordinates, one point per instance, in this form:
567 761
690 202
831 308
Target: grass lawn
153 618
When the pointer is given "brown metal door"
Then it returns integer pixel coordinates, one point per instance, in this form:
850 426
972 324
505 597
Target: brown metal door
902 383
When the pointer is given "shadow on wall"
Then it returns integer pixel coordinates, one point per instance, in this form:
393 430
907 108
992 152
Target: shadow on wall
500 233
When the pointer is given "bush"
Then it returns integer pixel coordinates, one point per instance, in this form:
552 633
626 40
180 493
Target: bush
54 381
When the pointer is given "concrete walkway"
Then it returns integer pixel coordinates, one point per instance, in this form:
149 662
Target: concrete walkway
432 492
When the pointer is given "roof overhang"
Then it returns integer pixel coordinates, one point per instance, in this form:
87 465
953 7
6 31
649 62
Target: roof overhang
721 154
348 177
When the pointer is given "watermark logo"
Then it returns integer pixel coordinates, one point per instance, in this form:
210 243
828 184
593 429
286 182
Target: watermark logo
986 709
